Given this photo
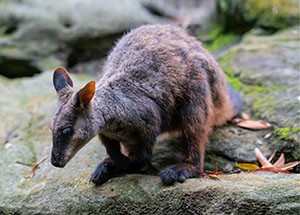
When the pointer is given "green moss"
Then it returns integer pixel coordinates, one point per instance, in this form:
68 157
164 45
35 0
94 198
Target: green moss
276 13
272 15
234 81
214 32
221 41
261 97
215 38
263 104
286 132
224 62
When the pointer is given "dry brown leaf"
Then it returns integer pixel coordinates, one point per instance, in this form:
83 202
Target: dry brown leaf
280 161
216 171
247 166
253 125
245 116
216 168
271 170
268 135
214 176
278 167
236 120
34 168
272 156
261 158
288 166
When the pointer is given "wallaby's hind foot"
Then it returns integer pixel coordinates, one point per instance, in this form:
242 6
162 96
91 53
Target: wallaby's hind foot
179 172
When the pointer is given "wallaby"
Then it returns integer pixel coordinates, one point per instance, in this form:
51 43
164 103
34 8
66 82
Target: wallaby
156 79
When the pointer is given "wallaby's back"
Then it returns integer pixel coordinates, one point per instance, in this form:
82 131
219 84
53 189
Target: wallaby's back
168 65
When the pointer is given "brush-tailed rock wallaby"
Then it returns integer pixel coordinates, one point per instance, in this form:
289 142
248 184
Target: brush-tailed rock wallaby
156 79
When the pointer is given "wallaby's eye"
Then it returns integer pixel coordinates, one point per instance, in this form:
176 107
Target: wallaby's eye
67 131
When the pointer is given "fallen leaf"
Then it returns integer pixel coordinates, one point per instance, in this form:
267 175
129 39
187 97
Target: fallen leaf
216 171
236 120
247 166
271 170
34 168
245 116
261 158
216 168
280 160
268 135
214 176
288 166
254 125
272 156
278 167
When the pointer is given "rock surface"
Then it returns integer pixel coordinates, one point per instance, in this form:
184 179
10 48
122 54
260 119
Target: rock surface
240 16
27 106
37 35
266 70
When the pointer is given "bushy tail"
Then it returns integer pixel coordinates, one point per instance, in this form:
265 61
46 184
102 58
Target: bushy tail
236 100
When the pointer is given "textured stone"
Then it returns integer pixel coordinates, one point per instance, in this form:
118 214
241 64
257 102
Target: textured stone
36 35
27 106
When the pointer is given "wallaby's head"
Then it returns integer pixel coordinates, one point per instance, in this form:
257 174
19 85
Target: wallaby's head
72 126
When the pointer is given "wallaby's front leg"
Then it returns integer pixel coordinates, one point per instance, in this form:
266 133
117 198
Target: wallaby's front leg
113 149
105 170
140 153
111 166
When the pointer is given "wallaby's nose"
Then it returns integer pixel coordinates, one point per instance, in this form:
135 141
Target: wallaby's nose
56 162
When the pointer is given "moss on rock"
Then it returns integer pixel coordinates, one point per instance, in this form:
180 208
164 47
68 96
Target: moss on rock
270 93
277 14
286 132
241 16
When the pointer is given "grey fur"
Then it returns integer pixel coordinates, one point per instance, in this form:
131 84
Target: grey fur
156 79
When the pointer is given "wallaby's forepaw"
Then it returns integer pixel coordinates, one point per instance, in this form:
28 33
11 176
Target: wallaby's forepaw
104 171
179 172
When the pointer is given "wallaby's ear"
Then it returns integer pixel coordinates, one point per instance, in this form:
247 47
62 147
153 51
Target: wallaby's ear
86 94
61 79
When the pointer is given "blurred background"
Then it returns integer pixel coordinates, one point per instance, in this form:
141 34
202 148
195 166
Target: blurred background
37 35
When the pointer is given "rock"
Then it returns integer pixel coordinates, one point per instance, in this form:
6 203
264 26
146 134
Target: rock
266 70
39 35
241 16
27 106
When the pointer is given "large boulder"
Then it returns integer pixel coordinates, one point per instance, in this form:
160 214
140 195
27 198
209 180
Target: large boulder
36 35
266 70
240 16
27 106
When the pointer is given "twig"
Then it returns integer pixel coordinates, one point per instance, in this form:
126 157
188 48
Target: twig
34 168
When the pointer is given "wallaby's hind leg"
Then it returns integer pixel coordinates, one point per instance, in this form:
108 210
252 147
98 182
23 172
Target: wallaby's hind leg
195 135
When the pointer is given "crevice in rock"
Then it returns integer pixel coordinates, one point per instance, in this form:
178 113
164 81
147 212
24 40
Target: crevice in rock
88 49
155 11
15 68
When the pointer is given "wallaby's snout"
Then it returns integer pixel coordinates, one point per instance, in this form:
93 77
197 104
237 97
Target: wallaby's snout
56 162
57 159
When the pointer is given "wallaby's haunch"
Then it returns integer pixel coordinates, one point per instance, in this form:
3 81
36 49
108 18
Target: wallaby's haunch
156 79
